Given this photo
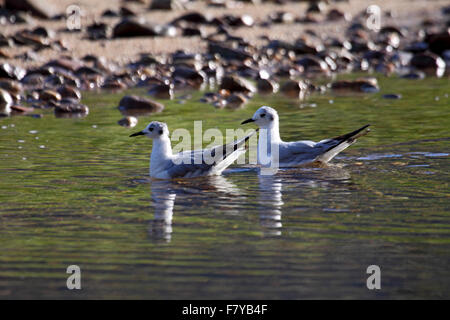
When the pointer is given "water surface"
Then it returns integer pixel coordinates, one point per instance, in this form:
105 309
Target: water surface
76 191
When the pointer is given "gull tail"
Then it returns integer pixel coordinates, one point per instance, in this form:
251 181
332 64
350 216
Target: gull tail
229 153
342 142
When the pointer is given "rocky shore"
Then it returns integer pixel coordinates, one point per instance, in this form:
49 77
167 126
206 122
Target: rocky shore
52 51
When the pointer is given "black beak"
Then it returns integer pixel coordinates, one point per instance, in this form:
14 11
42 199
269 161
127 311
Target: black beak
247 121
140 133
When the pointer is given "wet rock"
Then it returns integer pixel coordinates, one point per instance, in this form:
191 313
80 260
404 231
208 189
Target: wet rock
312 64
40 8
392 96
14 88
133 28
66 63
237 21
192 75
428 62
11 72
110 13
166 5
135 105
267 86
49 95
18 110
5 103
114 85
128 122
227 53
235 101
69 92
294 89
162 91
367 85
71 110
413 75
438 42
237 84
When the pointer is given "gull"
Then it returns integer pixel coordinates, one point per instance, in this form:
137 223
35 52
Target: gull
187 164
273 152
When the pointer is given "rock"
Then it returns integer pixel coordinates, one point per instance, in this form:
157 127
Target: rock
392 96
336 14
439 42
312 64
294 89
15 109
237 84
40 8
5 103
130 27
166 5
69 92
235 101
14 88
367 85
428 62
227 53
10 72
267 86
281 17
413 75
135 105
128 122
191 17
98 30
192 75
49 95
71 110
162 91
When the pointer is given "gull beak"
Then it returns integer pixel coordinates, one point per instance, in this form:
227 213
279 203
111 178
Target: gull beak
247 121
140 133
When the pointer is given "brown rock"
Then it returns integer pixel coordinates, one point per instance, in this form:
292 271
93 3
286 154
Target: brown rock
135 105
294 89
162 91
237 84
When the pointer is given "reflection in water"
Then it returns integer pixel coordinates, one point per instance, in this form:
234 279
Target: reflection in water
164 193
270 201
298 180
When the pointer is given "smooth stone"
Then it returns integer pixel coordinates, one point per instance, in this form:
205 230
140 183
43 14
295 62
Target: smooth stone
69 92
234 83
162 91
136 105
166 5
128 122
392 96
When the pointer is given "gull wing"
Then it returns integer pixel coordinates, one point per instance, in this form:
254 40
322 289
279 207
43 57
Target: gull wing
206 161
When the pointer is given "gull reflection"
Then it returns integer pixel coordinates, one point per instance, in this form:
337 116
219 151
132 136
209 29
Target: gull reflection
270 201
216 190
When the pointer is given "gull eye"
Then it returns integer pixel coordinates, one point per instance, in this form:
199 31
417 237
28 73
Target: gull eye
160 132
150 129
263 115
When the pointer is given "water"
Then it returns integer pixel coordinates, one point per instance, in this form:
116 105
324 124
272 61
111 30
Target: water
76 191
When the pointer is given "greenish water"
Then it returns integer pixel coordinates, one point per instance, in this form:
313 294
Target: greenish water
76 191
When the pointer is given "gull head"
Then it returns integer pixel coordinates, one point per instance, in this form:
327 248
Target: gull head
264 117
154 130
